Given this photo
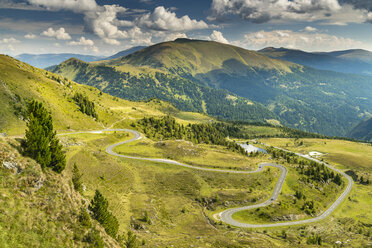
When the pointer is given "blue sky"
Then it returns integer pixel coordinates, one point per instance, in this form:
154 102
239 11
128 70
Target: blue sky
103 27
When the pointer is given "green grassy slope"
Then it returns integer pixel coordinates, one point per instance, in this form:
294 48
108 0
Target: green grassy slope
39 209
195 57
180 202
145 83
20 82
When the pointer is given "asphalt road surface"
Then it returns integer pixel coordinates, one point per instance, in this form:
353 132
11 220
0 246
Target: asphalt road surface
226 216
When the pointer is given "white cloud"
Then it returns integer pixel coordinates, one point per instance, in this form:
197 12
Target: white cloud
165 20
78 6
297 40
217 36
260 11
59 34
10 40
170 36
104 22
310 29
30 36
82 42
95 49
86 43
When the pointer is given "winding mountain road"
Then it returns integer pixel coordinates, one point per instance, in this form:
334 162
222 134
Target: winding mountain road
226 216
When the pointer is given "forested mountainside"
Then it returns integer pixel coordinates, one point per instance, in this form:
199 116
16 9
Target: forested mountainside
362 131
183 93
314 100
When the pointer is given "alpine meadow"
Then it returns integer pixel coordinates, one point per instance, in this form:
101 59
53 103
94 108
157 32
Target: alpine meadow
217 123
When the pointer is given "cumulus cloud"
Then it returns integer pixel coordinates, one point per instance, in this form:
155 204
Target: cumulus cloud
217 36
59 34
310 29
79 6
82 42
297 40
260 11
166 20
10 40
30 36
104 22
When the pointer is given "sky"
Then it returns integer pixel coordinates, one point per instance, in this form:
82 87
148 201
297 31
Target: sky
104 27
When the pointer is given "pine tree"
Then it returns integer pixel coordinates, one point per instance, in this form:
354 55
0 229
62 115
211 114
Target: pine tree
99 207
41 142
76 179
58 158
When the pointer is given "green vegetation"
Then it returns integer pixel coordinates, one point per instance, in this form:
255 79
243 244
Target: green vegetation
192 73
41 142
86 106
76 179
183 93
362 131
165 205
130 241
94 239
40 208
99 208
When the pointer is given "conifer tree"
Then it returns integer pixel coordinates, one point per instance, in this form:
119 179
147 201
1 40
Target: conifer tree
36 144
41 142
76 179
99 207
58 158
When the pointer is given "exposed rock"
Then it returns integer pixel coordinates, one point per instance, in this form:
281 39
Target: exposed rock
289 217
12 166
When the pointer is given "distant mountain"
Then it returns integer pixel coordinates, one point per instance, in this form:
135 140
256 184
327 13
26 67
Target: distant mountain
362 131
350 61
50 59
302 97
123 53
353 54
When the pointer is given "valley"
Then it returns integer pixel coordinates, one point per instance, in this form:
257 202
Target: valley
170 176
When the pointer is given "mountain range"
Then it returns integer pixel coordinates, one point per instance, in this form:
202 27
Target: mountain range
356 61
46 60
52 59
191 73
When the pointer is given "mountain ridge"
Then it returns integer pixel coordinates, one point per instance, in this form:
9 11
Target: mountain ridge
51 59
362 131
339 61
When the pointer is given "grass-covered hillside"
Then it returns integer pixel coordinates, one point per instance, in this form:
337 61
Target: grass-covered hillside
20 82
164 205
41 208
179 71
146 83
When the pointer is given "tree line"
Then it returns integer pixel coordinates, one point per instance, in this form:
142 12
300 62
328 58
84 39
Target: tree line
314 171
85 105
